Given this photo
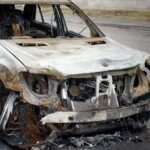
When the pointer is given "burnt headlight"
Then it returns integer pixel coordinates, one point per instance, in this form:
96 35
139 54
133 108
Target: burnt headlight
37 83
39 89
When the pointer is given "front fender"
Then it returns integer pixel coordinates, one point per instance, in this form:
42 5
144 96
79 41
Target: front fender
10 68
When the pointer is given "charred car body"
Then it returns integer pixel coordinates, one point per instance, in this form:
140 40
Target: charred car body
53 78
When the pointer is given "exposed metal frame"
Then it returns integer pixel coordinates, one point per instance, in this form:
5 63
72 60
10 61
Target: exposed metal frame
96 116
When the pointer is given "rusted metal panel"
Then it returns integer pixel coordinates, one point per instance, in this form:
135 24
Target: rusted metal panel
10 68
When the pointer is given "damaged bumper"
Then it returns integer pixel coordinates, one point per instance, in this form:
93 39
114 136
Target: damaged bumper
86 100
97 116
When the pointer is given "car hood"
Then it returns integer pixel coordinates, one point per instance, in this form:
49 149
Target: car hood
68 57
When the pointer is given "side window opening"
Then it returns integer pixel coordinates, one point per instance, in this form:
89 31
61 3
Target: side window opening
45 14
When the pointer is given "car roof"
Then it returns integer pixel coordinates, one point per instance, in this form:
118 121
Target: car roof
33 1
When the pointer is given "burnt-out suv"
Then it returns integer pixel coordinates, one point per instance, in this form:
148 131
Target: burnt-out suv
60 73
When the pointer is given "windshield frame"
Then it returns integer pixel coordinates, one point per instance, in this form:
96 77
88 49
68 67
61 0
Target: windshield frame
95 31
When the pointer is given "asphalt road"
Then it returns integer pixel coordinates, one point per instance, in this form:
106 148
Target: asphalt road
134 34
134 38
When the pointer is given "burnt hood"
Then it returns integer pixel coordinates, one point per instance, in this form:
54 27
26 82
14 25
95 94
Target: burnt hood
68 57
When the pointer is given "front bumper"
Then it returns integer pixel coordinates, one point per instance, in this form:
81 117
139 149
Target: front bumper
97 116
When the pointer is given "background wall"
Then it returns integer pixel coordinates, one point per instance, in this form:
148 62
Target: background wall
115 4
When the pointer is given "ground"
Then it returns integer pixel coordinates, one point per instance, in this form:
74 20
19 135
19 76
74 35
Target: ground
134 38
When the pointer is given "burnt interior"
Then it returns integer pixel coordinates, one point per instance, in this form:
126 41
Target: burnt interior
22 22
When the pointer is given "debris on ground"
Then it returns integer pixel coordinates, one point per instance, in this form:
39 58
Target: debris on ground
102 140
